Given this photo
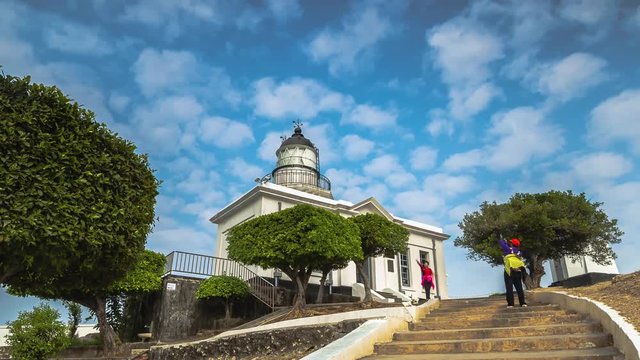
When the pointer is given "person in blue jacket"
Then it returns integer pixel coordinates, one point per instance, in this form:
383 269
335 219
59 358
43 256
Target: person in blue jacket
513 269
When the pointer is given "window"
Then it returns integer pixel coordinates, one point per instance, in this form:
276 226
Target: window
389 265
424 255
404 269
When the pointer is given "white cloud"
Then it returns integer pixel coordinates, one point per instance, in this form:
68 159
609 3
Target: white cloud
463 50
225 133
468 159
199 181
182 239
604 165
616 119
166 125
522 135
356 148
383 165
347 50
633 21
588 12
417 201
517 136
439 126
118 102
470 101
448 185
423 158
76 39
268 146
343 178
238 167
570 77
157 70
284 9
371 117
303 98
400 179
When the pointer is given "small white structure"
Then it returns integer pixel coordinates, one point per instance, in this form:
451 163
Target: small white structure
297 180
565 268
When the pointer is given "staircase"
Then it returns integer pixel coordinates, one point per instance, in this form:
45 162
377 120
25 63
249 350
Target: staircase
485 329
203 266
390 297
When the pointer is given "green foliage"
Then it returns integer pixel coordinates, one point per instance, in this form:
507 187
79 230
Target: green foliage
127 296
303 236
76 201
144 277
222 286
75 314
37 334
379 236
550 225
297 241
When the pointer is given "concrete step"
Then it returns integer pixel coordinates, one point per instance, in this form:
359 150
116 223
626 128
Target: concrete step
496 304
437 317
505 344
604 353
454 323
494 309
519 331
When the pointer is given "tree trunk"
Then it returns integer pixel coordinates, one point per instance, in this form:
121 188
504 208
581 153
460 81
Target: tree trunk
321 289
536 272
367 287
299 301
108 335
227 309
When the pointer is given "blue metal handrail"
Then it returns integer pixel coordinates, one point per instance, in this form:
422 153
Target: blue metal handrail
204 266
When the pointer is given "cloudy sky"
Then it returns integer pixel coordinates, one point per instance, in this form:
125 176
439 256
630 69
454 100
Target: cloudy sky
432 107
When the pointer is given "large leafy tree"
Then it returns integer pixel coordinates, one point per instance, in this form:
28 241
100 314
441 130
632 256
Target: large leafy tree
551 225
76 201
296 240
378 236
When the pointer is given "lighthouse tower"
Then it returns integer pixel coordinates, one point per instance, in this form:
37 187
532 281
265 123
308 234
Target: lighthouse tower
298 165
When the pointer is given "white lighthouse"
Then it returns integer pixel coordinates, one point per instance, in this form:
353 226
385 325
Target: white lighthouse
298 165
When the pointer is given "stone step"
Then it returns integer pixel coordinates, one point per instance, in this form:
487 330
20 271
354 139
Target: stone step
604 353
435 317
493 304
505 344
454 323
495 309
520 331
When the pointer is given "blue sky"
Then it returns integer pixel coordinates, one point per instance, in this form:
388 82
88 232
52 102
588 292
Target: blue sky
430 106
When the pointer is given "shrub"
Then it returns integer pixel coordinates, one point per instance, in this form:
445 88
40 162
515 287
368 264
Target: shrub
225 288
36 334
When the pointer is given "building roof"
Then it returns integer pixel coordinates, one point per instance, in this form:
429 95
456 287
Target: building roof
340 205
296 139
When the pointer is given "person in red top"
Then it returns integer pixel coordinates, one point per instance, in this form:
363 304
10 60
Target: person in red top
427 277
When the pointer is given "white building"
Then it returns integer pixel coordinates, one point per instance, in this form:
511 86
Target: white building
297 180
565 268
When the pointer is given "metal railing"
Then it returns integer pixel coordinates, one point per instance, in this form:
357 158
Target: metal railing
292 176
203 266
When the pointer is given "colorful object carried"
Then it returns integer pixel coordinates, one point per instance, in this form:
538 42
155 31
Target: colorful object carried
512 262
515 242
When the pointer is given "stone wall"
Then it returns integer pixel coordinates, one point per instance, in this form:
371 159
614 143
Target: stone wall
179 315
272 344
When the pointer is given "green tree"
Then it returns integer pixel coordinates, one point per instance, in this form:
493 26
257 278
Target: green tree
37 334
550 225
225 288
297 241
378 236
75 315
127 297
76 201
